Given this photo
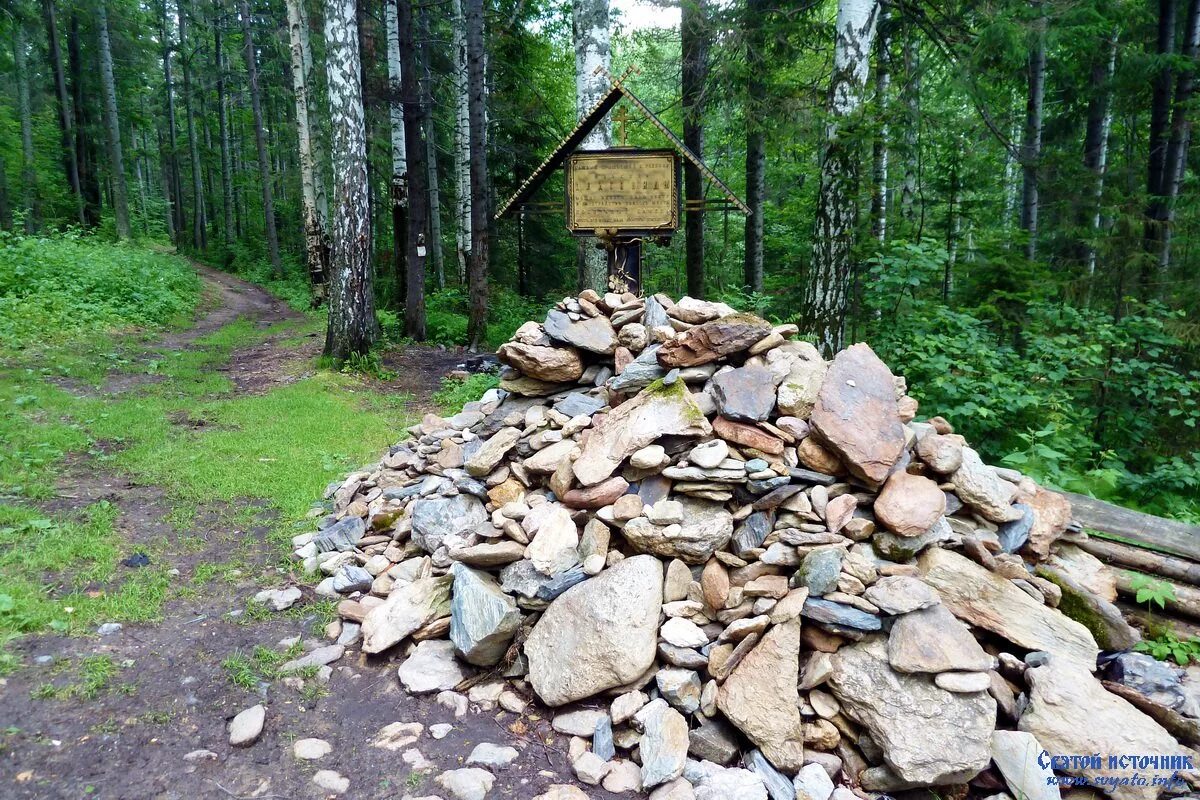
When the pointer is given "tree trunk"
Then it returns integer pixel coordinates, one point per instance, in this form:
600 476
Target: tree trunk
366 51
29 187
65 123
1160 114
113 125
1031 147
910 97
399 183
478 261
165 180
879 148
199 240
314 223
260 136
693 31
418 174
227 228
1177 147
5 206
756 159
824 307
1095 148
589 23
176 197
436 257
352 323
462 145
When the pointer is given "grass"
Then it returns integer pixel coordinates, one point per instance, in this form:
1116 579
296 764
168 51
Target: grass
454 393
263 457
94 677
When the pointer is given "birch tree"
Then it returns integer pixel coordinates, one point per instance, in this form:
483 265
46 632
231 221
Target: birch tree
462 143
591 34
112 124
694 47
436 259
1031 145
1095 146
260 138
352 325
823 310
1180 137
477 288
880 192
910 99
314 222
399 182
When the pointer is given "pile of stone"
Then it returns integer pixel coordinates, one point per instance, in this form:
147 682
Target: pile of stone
736 569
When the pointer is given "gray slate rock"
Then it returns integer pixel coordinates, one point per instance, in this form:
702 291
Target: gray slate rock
483 619
577 403
831 613
714 740
435 518
819 571
1014 534
352 578
342 536
746 394
779 786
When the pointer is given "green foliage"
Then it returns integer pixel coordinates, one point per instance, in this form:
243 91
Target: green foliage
1167 645
446 315
369 364
1151 591
53 289
456 392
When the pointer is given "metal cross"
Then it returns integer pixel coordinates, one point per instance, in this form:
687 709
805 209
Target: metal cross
623 119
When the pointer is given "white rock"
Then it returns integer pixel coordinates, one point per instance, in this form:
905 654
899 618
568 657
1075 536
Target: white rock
683 633
625 706
812 783
589 767
432 667
311 749
331 781
709 454
581 722
471 783
247 726
397 735
1016 756
440 730
492 755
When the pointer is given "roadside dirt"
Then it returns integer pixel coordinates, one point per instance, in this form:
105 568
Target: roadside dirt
172 696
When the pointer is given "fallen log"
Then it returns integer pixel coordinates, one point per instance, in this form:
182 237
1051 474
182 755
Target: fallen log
1156 533
1185 602
1132 557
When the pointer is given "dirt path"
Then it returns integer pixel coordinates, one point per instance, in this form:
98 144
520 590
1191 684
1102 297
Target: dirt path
167 689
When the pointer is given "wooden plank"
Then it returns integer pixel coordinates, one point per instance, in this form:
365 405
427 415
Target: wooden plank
1155 533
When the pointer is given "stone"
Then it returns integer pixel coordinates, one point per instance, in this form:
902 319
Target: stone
489 456
311 749
839 511
440 730
623 776
1085 569
489 554
942 453
932 640
247 726
638 373
318 657
432 667
760 697
278 599
406 609
594 334
683 633
799 389
625 706
711 340
819 571
746 394
987 600
398 735
714 740
839 614
747 436
469 783
602 739
707 526
1013 535
110 628
331 781
909 505
856 415
559 791
579 404
580 722
599 634
604 493
657 411
555 364
900 594
627 506
963 682
678 789
342 536
812 782
202 755
985 492
492 755
483 619
724 784
1103 619
904 548
435 518
554 548
664 743
551 457
680 688
779 786
752 532
811 454
589 768
709 454
678 580
1015 754
1070 712
649 457
1051 515
926 735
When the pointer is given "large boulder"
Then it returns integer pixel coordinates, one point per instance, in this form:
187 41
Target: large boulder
856 415
760 697
435 518
483 619
711 340
659 410
599 634
932 640
706 527
927 735
558 364
1070 713
987 600
406 609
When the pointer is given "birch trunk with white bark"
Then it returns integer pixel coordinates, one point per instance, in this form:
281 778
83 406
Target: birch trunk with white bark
315 252
112 124
1031 147
399 182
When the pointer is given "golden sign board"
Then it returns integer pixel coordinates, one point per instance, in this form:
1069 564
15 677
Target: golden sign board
626 191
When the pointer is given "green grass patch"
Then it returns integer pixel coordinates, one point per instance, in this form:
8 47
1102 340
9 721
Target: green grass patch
92 677
456 392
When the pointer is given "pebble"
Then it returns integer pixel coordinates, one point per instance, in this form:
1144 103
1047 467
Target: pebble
311 749
331 781
247 726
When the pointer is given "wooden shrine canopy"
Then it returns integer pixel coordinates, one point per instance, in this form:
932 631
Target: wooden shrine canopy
591 120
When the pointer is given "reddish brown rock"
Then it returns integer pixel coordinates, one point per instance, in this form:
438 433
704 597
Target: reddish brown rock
559 364
714 583
909 505
1052 514
747 435
710 341
597 496
816 457
856 415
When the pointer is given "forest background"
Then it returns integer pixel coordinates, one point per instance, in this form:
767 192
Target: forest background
1001 194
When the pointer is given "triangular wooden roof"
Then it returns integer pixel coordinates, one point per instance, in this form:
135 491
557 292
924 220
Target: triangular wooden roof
590 120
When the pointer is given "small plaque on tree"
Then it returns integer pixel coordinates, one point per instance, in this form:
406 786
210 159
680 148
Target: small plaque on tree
630 192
